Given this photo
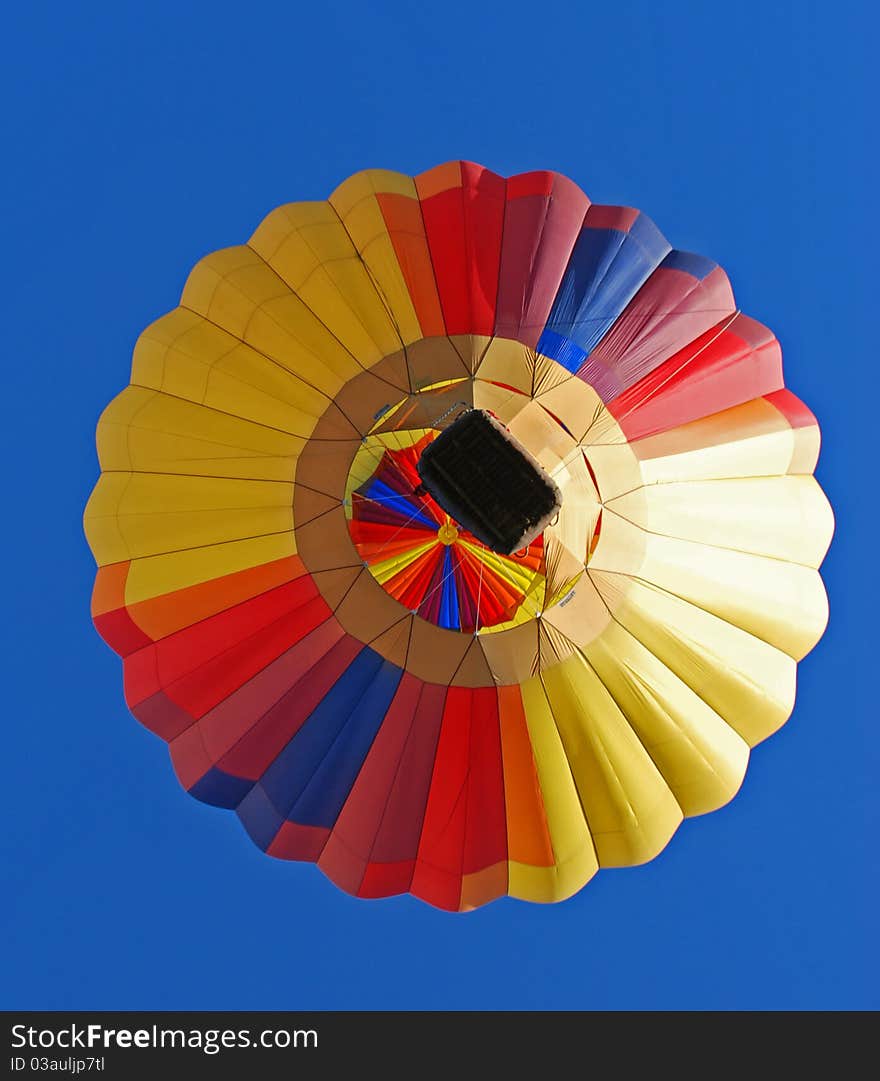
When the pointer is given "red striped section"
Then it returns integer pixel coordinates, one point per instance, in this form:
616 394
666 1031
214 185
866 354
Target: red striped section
671 310
109 613
201 665
396 841
464 829
347 852
542 221
463 212
244 733
730 364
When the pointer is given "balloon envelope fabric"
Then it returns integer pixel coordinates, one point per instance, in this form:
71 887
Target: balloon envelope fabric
331 655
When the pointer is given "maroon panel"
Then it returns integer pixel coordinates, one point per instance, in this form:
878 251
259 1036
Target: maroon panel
397 839
262 743
542 220
347 851
671 310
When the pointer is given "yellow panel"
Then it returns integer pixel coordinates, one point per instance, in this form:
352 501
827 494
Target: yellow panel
783 603
185 355
580 615
137 514
235 289
146 431
512 653
100 521
366 227
544 438
573 850
629 807
370 182
308 247
702 759
504 403
508 362
568 538
752 440
575 402
746 681
154 576
785 518
388 568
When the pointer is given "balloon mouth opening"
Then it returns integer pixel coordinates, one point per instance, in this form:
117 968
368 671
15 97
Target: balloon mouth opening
488 483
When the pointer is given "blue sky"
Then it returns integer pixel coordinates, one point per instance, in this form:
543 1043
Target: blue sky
140 137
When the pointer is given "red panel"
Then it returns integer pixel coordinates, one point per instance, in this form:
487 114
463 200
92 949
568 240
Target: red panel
486 830
199 691
610 217
112 620
189 756
162 716
792 408
265 740
140 676
523 184
224 725
295 842
542 221
120 632
396 843
671 310
347 851
403 217
437 875
201 664
386 879
464 226
726 366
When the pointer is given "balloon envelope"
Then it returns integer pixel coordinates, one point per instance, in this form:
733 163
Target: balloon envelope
392 686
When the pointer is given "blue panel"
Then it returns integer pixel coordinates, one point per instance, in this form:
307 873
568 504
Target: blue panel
334 773
401 504
698 266
259 817
286 778
221 789
449 597
606 269
560 349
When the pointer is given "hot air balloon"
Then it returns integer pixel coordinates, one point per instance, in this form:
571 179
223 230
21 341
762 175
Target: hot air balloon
459 534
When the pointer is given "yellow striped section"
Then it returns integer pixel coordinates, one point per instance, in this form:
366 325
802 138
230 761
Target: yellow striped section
743 679
307 247
388 568
573 851
702 759
356 204
235 289
629 807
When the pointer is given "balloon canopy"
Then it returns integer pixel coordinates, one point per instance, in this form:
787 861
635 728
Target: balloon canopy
459 534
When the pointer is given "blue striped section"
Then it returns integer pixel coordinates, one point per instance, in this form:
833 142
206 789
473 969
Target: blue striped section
259 817
606 269
560 349
449 597
310 779
221 789
698 266
402 504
